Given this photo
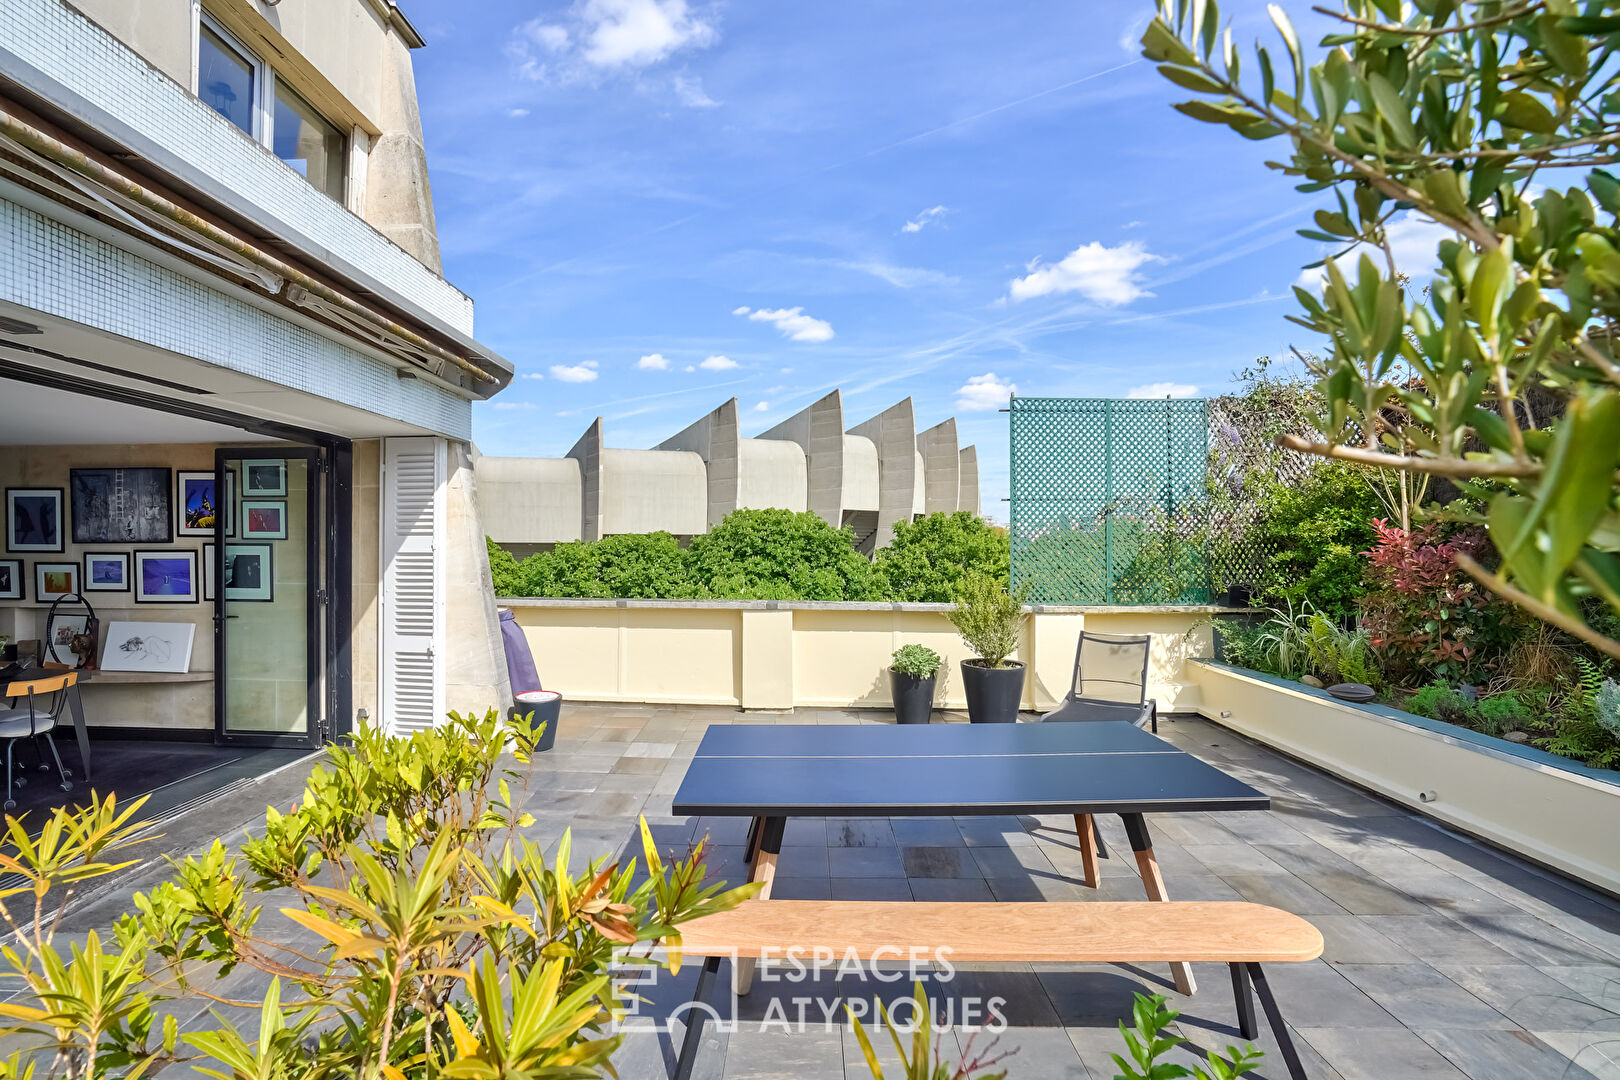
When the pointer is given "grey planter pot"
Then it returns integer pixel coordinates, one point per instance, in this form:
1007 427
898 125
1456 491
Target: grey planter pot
913 697
992 694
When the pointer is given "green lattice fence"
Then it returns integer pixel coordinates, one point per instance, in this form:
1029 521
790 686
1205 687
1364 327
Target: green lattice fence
1113 501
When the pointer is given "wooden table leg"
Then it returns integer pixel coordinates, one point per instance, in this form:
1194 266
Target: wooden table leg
765 841
1086 831
1153 884
77 708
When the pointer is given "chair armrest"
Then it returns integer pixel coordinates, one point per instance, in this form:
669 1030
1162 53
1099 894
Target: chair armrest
1150 713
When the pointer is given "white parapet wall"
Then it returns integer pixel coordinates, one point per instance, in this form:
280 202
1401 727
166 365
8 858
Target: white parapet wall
1548 809
760 654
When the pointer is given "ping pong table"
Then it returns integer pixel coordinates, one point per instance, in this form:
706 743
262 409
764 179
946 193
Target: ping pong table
773 772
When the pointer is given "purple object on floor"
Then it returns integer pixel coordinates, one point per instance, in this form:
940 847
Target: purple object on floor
528 696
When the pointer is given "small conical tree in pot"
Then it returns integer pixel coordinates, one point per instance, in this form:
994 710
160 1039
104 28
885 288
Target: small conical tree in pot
991 621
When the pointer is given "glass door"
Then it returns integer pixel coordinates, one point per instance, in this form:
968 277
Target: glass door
265 578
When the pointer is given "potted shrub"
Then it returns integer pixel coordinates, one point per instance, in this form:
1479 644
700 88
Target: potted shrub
911 683
990 618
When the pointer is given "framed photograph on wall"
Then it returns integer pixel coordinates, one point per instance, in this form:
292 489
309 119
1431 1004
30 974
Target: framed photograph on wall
264 519
262 477
106 571
166 577
54 580
121 506
12 584
34 519
208 573
249 572
200 506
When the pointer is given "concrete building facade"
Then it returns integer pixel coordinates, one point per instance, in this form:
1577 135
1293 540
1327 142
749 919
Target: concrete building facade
867 476
220 279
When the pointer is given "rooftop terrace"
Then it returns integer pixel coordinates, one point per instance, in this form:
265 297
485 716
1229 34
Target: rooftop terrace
1444 957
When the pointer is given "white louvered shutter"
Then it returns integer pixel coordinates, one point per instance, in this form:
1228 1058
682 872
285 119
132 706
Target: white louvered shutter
412 617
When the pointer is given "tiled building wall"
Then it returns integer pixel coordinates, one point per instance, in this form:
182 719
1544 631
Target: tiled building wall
50 267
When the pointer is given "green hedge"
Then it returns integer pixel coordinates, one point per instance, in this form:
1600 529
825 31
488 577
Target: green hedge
763 555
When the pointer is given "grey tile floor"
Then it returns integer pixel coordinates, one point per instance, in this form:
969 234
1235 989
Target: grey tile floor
1444 957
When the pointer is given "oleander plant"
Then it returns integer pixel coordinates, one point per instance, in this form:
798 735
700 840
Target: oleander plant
411 931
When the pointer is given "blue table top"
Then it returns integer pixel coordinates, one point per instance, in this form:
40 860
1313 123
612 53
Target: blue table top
1110 767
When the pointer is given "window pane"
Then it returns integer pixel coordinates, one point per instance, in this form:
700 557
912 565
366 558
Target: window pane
225 80
308 143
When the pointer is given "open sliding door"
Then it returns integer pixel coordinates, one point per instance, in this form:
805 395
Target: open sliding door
412 615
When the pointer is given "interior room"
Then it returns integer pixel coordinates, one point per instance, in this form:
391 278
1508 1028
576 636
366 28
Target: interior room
147 550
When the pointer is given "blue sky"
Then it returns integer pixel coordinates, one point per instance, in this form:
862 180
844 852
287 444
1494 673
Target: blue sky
770 200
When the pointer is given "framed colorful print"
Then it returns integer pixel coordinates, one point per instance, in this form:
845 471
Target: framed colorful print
263 477
54 580
249 572
208 573
106 571
12 585
166 577
264 520
200 505
34 519
121 506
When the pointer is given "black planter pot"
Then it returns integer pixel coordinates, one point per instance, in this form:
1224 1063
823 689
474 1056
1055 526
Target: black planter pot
548 709
1239 595
913 697
993 694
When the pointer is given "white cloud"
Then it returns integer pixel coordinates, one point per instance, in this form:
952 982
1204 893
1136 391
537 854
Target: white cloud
517 114
689 367
652 362
741 310
533 375
512 406
793 322
916 224
597 36
718 363
1412 240
1162 390
982 393
1103 275
763 406
689 90
585 372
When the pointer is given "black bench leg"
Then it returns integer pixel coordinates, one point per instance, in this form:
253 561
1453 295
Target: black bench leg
1248 1026
695 1018
1274 1016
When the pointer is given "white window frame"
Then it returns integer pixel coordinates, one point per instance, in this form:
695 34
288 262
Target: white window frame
264 76
264 93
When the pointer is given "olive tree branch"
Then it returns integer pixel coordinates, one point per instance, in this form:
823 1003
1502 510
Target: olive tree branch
1446 466
1545 612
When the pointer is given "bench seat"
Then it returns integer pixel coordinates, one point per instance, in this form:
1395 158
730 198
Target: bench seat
1240 935
1011 933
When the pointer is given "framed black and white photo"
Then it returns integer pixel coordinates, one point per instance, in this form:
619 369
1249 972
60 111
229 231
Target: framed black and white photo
208 573
59 640
249 572
54 580
262 477
264 519
121 506
166 577
34 519
200 506
12 585
106 571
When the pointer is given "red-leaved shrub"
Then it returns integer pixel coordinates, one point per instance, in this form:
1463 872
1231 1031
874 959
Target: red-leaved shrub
1425 617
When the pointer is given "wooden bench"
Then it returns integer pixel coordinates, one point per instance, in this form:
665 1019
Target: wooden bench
1243 936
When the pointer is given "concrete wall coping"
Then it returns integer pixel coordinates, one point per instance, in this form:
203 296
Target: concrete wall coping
1513 753
852 605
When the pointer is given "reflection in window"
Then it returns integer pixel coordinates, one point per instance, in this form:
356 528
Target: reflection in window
225 79
307 142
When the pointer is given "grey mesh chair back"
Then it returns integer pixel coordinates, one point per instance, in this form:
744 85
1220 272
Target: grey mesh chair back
1110 682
